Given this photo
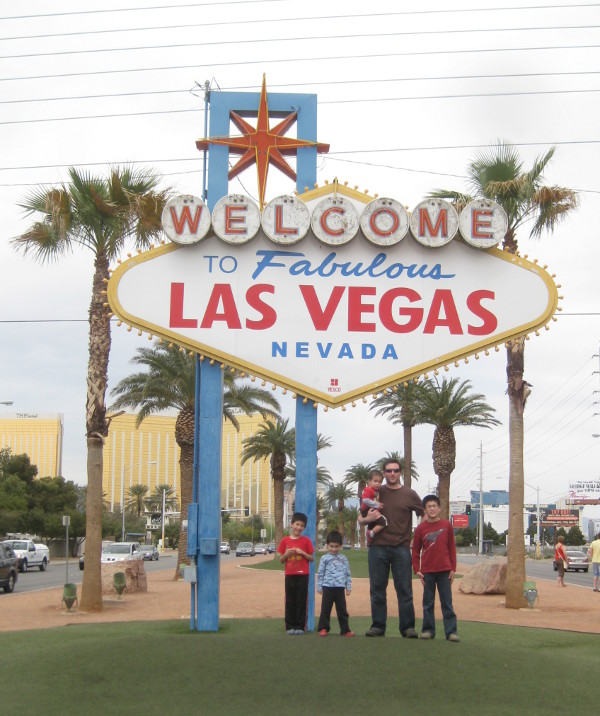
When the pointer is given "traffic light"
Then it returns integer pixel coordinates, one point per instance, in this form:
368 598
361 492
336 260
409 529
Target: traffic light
246 511
468 509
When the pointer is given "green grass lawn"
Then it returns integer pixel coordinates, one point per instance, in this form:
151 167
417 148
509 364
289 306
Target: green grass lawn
252 667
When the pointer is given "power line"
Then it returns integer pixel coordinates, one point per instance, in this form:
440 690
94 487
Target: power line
262 41
329 83
280 60
253 2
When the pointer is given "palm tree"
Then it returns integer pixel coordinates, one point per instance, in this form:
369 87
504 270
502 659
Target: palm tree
321 508
497 173
338 494
169 382
274 440
358 475
449 405
397 457
136 498
351 521
323 474
101 215
155 502
399 406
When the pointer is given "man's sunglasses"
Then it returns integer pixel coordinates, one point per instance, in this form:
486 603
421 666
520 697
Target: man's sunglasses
386 470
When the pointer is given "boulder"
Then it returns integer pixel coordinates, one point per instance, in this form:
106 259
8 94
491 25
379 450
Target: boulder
135 576
485 579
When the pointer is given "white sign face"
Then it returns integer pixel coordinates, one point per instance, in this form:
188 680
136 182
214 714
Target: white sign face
384 222
286 220
332 323
483 223
434 222
236 219
584 489
335 220
186 219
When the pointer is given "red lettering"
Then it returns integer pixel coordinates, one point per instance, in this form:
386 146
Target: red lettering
325 216
231 220
268 313
179 222
490 322
376 229
425 223
176 319
356 308
321 318
221 293
481 218
442 299
386 305
279 227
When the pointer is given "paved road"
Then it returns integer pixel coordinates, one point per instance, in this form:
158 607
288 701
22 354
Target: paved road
540 569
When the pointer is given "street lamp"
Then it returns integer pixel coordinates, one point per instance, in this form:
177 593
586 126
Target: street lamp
129 467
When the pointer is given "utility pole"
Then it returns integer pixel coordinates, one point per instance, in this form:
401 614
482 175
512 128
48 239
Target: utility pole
480 498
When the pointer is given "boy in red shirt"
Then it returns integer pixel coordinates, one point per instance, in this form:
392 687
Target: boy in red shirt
434 562
296 551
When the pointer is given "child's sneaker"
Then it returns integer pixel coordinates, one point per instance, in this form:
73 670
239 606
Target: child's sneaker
348 633
323 632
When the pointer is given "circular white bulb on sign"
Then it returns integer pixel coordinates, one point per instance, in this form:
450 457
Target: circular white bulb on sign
286 220
434 222
384 222
335 221
483 223
236 219
186 219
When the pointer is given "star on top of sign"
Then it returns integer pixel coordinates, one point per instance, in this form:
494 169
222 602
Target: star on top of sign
262 145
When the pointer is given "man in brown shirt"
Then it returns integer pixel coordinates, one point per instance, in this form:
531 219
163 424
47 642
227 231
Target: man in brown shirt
390 550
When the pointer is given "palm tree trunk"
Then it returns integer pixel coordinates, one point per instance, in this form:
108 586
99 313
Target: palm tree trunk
407 471
184 436
96 430
518 390
444 494
278 507
444 460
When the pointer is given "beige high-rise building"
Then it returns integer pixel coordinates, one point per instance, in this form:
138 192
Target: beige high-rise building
38 435
149 455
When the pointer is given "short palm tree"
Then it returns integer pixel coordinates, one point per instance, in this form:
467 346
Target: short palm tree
449 405
337 495
155 502
398 404
273 440
497 173
167 382
101 215
136 499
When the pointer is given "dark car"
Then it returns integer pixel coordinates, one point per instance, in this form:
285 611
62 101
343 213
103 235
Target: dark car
8 567
261 548
245 549
149 553
271 547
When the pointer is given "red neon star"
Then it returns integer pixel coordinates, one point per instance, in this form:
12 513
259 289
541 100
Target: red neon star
262 145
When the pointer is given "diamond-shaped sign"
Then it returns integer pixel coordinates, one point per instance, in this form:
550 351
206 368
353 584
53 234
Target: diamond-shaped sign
333 323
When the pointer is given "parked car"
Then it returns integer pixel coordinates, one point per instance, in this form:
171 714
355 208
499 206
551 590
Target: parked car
150 553
30 554
8 567
225 548
245 549
271 547
577 561
120 552
261 548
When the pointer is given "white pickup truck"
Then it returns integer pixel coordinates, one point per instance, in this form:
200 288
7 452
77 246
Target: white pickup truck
30 554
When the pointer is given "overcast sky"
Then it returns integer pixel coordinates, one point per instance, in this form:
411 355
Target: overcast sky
406 97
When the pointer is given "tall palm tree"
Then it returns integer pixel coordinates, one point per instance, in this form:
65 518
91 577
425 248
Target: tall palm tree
398 404
136 499
155 501
323 474
101 215
351 522
273 440
167 382
497 173
321 509
358 475
449 405
337 495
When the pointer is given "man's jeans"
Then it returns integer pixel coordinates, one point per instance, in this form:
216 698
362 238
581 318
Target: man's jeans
442 579
381 559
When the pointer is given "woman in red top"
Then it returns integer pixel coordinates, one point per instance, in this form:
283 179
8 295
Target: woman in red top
561 559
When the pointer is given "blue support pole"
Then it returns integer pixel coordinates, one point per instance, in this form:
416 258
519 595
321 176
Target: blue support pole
209 496
306 484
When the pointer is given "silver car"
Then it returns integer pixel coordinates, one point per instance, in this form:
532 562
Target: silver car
245 549
121 552
261 548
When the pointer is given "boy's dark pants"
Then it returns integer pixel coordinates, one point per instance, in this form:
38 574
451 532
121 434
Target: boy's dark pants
296 596
331 596
444 587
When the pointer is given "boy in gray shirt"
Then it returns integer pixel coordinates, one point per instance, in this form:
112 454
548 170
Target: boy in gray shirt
334 583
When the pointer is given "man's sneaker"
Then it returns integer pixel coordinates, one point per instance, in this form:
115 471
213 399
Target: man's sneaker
291 632
375 631
323 632
348 633
453 637
410 634
299 632
426 635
